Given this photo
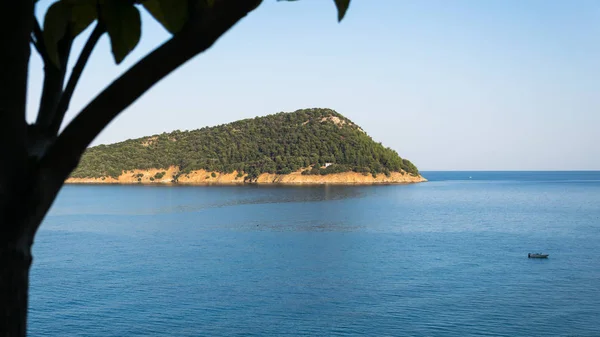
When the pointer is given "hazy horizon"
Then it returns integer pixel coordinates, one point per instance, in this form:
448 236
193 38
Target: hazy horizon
461 86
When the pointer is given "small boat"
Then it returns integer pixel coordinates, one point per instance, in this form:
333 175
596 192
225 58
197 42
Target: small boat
537 256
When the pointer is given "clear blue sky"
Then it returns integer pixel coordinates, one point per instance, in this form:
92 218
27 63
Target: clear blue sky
450 85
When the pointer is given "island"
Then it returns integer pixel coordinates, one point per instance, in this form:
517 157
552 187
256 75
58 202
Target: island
308 146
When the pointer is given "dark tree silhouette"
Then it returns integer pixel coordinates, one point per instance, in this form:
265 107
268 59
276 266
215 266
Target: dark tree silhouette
35 159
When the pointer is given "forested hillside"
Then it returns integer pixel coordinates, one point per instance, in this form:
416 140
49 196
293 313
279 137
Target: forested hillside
281 143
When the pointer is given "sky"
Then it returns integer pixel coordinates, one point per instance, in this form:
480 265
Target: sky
450 85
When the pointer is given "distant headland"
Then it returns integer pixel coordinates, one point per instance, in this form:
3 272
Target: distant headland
309 146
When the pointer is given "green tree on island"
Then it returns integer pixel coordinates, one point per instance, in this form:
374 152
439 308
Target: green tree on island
281 143
37 158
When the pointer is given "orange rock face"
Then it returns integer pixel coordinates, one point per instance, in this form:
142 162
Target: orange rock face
202 177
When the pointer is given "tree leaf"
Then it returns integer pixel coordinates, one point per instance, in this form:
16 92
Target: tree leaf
56 22
83 13
342 7
123 24
172 14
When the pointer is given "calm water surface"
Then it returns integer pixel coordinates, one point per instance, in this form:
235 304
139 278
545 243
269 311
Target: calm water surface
443 258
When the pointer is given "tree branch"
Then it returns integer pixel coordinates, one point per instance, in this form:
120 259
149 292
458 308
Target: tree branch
65 99
35 44
54 80
39 40
63 156
37 31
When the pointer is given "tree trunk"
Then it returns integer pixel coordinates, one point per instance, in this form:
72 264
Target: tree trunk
16 240
32 196
16 23
14 287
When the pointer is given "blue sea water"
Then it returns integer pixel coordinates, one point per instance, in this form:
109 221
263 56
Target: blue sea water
443 258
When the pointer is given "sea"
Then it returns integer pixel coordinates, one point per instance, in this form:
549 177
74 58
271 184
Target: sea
443 258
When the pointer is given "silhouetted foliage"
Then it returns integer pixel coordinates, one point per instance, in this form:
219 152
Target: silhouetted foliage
281 143
37 156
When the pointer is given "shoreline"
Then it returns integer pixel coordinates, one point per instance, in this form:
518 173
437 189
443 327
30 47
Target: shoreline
244 183
207 178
